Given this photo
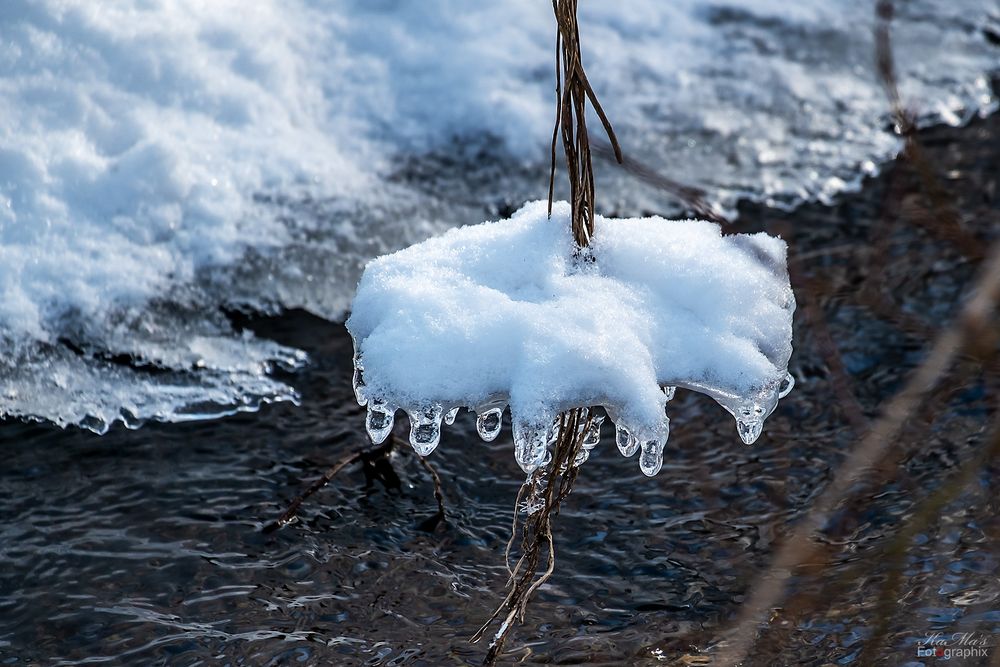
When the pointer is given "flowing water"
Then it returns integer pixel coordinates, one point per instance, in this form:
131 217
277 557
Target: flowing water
146 547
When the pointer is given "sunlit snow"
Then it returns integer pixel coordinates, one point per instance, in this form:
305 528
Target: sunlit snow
513 313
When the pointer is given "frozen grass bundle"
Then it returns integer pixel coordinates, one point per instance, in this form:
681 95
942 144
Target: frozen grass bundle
513 313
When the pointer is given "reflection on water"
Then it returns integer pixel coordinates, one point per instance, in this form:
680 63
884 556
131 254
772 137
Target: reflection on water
145 547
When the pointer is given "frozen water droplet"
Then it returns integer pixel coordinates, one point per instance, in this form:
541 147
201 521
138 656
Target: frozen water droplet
488 424
786 385
670 392
425 429
359 384
749 429
581 458
379 421
750 422
530 446
627 444
449 417
651 457
593 436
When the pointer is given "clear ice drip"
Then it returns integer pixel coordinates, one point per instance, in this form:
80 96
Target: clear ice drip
750 420
449 417
359 381
488 424
651 457
670 392
749 425
425 429
627 443
530 445
751 410
591 438
786 386
379 421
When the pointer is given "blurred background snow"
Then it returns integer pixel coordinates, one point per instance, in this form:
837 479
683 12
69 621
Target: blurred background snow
162 161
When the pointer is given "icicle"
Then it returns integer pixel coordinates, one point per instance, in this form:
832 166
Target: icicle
751 409
749 430
359 382
651 454
530 446
449 417
650 457
627 444
750 422
379 421
670 392
425 429
488 424
591 439
786 385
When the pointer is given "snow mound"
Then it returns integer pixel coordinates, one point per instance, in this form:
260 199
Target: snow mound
513 313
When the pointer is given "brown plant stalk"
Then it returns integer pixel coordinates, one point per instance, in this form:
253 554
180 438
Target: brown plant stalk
573 91
549 486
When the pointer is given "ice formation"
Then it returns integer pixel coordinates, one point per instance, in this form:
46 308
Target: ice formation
162 160
512 313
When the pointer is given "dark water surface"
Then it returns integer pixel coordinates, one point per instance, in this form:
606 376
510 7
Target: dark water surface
145 547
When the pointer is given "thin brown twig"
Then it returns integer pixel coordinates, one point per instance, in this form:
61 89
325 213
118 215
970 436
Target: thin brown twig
923 516
800 545
573 91
946 224
438 493
847 399
553 483
691 197
291 512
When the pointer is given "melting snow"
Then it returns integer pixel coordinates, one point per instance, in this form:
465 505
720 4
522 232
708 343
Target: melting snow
512 313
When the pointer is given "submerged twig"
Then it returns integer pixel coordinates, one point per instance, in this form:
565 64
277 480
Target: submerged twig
290 514
432 522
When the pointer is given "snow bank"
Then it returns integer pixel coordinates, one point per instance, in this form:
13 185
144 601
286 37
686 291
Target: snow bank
506 313
162 159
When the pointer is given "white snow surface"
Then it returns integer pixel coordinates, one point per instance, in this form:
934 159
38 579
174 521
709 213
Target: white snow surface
509 312
163 159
